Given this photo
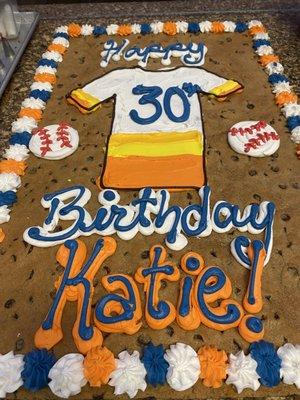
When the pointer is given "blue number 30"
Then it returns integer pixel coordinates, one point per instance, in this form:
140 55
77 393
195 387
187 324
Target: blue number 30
150 94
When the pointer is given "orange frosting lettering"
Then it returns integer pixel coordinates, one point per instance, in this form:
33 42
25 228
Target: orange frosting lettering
159 314
75 285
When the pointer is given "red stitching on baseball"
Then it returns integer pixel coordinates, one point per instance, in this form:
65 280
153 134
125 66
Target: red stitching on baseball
259 140
45 140
63 135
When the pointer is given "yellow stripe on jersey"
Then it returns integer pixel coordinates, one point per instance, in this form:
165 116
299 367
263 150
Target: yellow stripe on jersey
155 144
225 89
83 100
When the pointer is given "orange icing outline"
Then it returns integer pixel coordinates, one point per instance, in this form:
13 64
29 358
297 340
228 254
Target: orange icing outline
247 334
98 364
47 338
163 322
213 364
129 327
17 167
257 306
223 293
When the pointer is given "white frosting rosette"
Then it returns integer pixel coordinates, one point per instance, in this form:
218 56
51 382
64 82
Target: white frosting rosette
67 375
52 55
31 102
87 30
274 68
41 86
229 26
182 26
24 124
254 22
44 69
290 364
17 152
4 215
295 135
62 41
281 87
157 27
112 29
184 366
11 367
135 28
291 110
242 372
129 375
264 50
205 26
62 29
261 36
9 181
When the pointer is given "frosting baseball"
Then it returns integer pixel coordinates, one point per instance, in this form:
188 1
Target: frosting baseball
54 142
253 138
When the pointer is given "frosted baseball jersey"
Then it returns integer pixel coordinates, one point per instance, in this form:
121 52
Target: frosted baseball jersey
157 132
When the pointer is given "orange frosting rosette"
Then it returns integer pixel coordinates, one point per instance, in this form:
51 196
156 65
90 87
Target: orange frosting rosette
34 113
2 235
254 30
265 60
45 77
74 30
98 364
124 30
57 47
213 366
17 167
283 98
170 28
217 27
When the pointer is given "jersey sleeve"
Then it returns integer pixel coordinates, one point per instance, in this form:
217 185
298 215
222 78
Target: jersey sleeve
88 98
215 85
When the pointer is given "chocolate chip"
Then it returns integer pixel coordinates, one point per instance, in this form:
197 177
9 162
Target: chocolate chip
143 339
237 290
250 106
279 252
237 345
213 253
13 258
282 186
257 197
268 297
93 181
275 169
52 293
31 274
189 196
9 303
170 331
107 269
163 284
145 254
126 253
73 76
235 158
276 316
19 344
295 185
285 217
289 244
264 317
198 337
30 299
15 316
252 172
98 396
30 249
90 158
